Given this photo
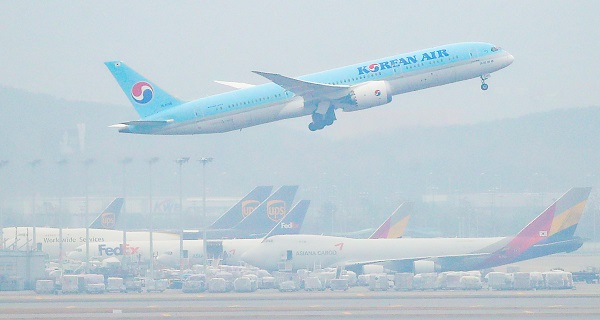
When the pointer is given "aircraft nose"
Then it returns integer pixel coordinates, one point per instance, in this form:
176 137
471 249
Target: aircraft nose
74 255
509 58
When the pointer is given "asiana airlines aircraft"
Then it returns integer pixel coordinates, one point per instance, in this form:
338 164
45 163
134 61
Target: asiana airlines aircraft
553 231
350 88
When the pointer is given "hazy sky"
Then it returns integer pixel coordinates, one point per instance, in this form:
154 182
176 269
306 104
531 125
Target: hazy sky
57 48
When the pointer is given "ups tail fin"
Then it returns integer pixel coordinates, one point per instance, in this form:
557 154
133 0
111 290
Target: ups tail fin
292 222
109 217
243 208
394 226
146 97
269 212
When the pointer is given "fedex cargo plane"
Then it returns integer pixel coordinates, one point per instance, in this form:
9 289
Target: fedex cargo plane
102 229
167 251
350 88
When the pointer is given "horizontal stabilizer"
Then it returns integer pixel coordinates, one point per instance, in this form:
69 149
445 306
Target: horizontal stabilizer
142 123
306 88
236 85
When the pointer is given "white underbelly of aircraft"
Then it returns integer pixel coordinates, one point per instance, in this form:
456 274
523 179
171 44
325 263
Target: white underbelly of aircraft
252 117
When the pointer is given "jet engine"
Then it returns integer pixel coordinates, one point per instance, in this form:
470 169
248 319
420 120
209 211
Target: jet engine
367 95
424 266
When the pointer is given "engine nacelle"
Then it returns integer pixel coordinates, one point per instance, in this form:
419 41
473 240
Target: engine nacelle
424 266
369 94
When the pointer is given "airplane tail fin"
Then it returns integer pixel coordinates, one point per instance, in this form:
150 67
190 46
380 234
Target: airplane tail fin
557 222
146 97
394 226
567 214
269 212
292 222
243 208
108 218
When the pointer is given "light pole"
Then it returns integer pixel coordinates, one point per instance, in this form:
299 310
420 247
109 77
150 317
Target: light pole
61 163
33 164
2 164
86 165
181 161
151 162
204 161
124 162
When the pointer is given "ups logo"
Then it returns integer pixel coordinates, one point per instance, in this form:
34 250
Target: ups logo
108 220
276 210
248 206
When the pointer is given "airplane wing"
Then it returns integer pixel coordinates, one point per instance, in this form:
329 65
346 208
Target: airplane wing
236 85
445 261
142 123
306 89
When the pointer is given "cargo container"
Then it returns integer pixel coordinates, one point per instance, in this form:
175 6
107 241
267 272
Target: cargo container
44 287
425 281
216 285
403 281
522 281
312 283
194 284
244 284
338 284
115 284
499 281
378 282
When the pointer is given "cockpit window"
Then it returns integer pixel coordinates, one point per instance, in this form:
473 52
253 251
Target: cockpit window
494 49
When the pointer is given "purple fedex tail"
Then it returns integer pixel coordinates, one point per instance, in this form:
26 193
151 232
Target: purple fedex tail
568 208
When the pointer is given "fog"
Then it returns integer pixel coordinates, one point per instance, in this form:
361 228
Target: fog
534 132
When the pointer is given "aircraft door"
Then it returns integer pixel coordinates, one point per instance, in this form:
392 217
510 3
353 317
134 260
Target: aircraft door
473 53
289 255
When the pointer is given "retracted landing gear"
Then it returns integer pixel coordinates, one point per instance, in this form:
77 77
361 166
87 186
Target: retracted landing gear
484 85
319 121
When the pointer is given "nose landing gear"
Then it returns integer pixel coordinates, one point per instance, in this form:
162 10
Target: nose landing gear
484 85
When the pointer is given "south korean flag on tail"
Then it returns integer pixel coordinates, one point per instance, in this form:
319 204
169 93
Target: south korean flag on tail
543 233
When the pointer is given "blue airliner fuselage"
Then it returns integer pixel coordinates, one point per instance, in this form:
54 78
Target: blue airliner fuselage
349 88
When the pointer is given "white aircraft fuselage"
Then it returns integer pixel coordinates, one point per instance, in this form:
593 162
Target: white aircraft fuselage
308 251
21 238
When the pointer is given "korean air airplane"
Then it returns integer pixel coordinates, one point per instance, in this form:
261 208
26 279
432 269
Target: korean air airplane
350 88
